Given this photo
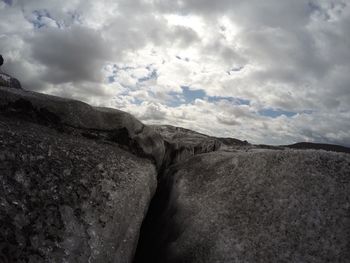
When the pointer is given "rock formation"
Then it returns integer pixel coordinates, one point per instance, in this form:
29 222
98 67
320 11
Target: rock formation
89 184
254 206
7 80
71 190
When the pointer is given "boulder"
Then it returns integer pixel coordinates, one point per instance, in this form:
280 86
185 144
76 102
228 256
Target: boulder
91 121
251 206
72 187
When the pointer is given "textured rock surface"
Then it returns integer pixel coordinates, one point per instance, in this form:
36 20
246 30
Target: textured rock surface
189 137
255 206
68 191
181 144
8 81
94 122
76 182
69 199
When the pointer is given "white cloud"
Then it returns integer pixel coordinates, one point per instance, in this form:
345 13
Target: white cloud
284 56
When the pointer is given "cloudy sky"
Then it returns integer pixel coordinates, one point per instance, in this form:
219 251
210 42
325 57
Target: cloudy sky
272 71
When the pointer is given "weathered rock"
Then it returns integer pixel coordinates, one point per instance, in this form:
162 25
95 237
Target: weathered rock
188 137
76 182
181 143
72 188
92 121
65 198
180 135
8 81
255 206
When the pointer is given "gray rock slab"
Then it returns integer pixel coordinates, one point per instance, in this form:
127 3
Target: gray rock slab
258 206
65 198
79 115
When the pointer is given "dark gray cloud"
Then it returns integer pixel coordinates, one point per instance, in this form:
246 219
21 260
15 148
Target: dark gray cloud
71 55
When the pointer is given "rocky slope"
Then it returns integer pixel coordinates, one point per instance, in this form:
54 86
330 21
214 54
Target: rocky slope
87 184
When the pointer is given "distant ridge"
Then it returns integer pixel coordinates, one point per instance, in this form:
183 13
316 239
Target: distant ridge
319 146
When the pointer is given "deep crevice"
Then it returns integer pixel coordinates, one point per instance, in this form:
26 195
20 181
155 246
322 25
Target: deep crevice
157 229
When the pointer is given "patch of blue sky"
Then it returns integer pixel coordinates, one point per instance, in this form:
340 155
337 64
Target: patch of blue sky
40 16
137 101
274 113
111 79
190 95
175 100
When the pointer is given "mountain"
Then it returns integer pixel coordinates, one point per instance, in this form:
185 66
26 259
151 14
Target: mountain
90 184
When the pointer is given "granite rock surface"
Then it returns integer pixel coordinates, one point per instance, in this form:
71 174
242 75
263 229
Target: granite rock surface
72 189
255 205
88 184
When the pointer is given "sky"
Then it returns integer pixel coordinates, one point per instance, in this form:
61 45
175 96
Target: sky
269 72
